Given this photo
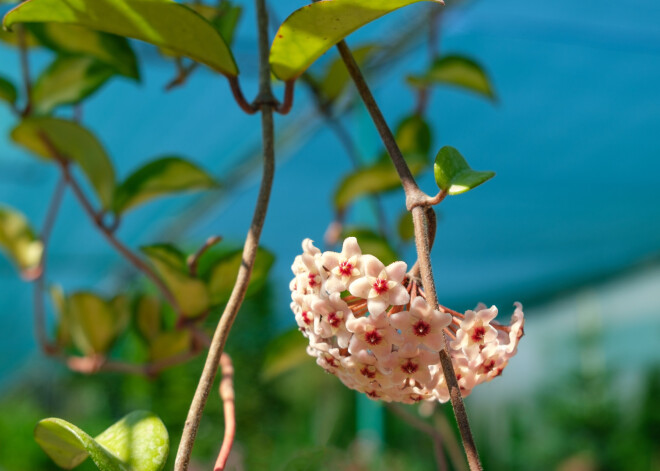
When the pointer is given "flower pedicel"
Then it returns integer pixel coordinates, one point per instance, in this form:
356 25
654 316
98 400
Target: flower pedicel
370 325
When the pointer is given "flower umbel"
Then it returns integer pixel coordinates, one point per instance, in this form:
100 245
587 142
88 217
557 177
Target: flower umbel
370 325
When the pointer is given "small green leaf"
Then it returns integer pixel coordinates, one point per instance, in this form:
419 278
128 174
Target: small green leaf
11 38
93 322
313 29
458 71
454 175
163 23
18 240
161 177
169 344
405 227
138 442
284 353
67 81
190 293
63 331
224 17
372 243
8 91
67 39
336 75
148 316
73 142
222 274
413 136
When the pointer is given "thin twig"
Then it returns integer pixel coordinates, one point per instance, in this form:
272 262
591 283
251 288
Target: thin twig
285 106
235 85
193 260
25 68
266 101
227 395
415 200
423 427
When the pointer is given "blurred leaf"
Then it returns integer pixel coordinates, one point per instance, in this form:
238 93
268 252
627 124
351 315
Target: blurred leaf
121 306
454 175
406 227
227 20
222 274
313 29
163 23
73 142
69 39
336 75
11 38
372 243
138 442
18 240
63 332
168 344
67 81
458 71
414 139
161 177
8 91
94 324
148 317
284 353
190 293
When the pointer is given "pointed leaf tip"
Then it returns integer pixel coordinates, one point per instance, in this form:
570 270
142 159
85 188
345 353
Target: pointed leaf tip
454 175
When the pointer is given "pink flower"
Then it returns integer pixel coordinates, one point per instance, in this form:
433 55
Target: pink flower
422 325
381 286
331 318
373 334
475 331
344 267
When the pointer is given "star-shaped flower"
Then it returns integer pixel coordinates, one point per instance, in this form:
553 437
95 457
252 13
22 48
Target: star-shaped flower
381 286
475 331
422 325
344 267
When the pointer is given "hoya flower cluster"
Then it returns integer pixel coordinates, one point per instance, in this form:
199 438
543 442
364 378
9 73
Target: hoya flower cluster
370 325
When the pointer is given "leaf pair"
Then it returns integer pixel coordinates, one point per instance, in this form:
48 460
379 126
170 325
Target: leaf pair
138 442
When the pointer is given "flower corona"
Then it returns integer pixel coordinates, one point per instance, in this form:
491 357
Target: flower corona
370 325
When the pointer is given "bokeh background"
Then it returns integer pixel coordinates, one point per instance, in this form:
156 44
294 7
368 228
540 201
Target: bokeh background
570 227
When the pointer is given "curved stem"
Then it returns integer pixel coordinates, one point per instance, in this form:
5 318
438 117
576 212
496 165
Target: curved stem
266 104
227 395
236 90
415 201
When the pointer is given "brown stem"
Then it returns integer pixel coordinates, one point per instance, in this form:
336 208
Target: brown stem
451 444
193 260
285 106
236 90
415 200
423 427
265 102
227 395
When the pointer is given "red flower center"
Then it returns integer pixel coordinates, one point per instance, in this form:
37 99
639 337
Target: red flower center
487 366
306 319
368 372
380 286
312 280
333 319
373 337
478 334
409 367
372 394
346 268
421 328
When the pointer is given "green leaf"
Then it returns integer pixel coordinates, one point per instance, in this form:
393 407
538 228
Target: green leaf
63 330
372 243
284 353
458 71
148 316
223 17
454 175
18 240
8 91
159 178
67 39
169 344
313 29
163 23
67 81
93 322
11 38
406 227
336 75
222 274
73 142
414 139
138 442
190 293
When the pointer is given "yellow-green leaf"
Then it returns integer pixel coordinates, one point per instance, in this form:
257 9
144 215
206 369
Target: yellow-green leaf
68 39
93 322
163 23
7 91
313 29
454 175
169 344
190 293
18 241
67 81
11 38
222 275
284 353
73 142
458 71
161 177
405 226
148 316
138 442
